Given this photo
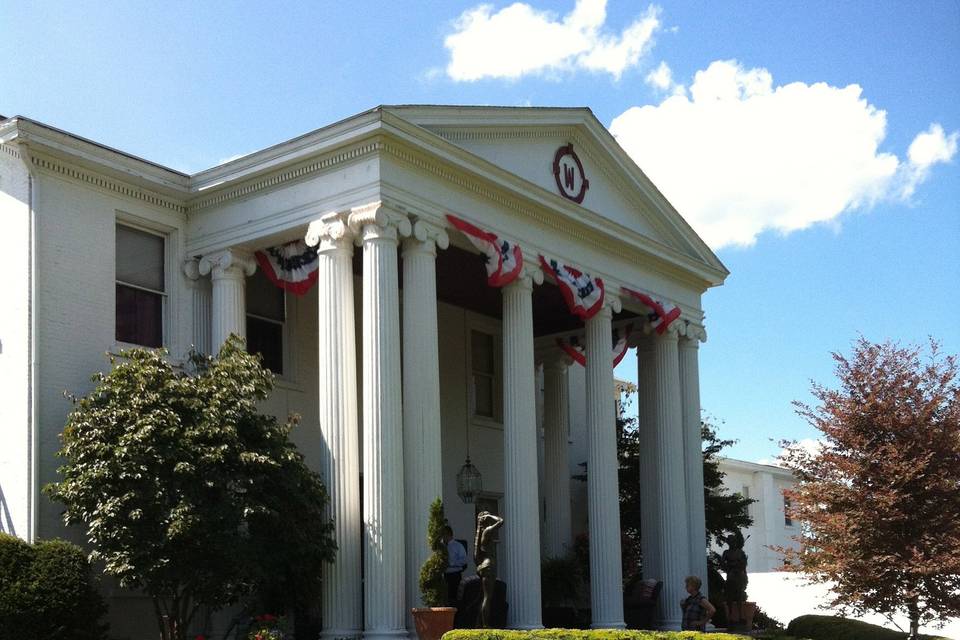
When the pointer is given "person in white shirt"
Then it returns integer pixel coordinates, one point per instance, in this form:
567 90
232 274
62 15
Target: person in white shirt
456 564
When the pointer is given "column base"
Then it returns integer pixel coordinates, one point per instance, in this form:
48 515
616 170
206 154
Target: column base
341 634
669 625
527 627
608 625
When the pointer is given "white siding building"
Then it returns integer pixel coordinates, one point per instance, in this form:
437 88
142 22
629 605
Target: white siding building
771 526
101 250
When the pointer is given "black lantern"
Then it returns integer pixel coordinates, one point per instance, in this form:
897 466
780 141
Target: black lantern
469 482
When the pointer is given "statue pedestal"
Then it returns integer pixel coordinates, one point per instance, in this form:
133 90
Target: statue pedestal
746 611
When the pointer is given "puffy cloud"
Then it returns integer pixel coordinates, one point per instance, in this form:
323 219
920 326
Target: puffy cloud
661 79
812 446
740 156
520 40
927 149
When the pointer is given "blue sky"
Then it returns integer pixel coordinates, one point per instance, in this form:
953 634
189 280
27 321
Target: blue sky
833 216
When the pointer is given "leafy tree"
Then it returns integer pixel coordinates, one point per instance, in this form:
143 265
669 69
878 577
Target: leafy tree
880 500
186 490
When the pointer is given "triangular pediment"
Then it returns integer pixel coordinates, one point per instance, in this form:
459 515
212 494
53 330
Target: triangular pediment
526 142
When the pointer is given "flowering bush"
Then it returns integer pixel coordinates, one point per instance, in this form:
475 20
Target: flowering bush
268 627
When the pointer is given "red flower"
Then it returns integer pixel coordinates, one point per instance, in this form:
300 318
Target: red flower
200 636
269 617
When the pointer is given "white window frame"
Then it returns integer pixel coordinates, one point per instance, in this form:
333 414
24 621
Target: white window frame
490 326
168 235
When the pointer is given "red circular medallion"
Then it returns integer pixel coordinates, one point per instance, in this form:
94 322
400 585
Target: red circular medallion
568 172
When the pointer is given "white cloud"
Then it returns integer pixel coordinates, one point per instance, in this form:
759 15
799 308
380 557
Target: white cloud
927 149
661 79
812 446
520 40
740 155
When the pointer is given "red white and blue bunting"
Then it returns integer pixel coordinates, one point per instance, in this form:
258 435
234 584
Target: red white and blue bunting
503 258
661 313
621 339
291 266
583 293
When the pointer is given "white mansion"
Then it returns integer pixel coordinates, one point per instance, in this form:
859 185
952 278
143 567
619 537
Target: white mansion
457 254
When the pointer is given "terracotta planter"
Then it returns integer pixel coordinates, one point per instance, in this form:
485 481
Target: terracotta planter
433 622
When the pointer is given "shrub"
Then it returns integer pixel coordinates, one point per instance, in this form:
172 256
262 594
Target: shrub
46 592
433 585
586 634
560 581
836 628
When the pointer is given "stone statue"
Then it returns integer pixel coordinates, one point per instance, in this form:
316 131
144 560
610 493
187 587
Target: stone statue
734 562
485 557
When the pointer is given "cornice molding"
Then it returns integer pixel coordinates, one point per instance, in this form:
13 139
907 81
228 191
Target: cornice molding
10 150
282 177
108 184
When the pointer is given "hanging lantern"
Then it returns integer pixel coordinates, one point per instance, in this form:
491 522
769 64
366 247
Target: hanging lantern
469 482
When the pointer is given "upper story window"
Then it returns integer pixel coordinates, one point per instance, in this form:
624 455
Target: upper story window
266 316
787 520
484 369
140 286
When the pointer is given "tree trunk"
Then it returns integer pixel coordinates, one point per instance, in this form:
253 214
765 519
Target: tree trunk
914 612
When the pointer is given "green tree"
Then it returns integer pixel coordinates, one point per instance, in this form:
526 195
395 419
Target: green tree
880 499
186 490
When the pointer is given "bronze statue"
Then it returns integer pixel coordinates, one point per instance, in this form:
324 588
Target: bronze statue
734 562
485 557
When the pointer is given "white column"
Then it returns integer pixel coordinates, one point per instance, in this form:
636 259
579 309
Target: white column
670 480
421 397
649 506
337 392
521 528
384 584
603 498
771 500
200 291
556 485
228 270
693 452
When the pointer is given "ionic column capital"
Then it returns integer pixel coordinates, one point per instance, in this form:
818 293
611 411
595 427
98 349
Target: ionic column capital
554 360
376 221
695 334
233 264
425 238
530 274
330 234
191 268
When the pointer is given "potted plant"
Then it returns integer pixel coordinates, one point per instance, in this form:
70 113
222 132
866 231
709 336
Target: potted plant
434 619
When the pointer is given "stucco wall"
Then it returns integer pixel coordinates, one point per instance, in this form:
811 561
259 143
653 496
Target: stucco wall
15 395
764 484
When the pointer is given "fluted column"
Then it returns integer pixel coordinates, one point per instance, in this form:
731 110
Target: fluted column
421 397
606 573
649 505
556 482
200 293
521 529
384 584
670 480
693 451
337 393
228 271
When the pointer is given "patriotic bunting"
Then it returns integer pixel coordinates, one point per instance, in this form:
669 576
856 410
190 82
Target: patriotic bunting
503 258
621 342
583 294
291 266
661 313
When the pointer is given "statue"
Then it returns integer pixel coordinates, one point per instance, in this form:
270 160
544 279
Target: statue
485 557
734 562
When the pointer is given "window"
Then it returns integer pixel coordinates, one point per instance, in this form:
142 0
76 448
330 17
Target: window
266 315
787 520
745 492
483 365
140 286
